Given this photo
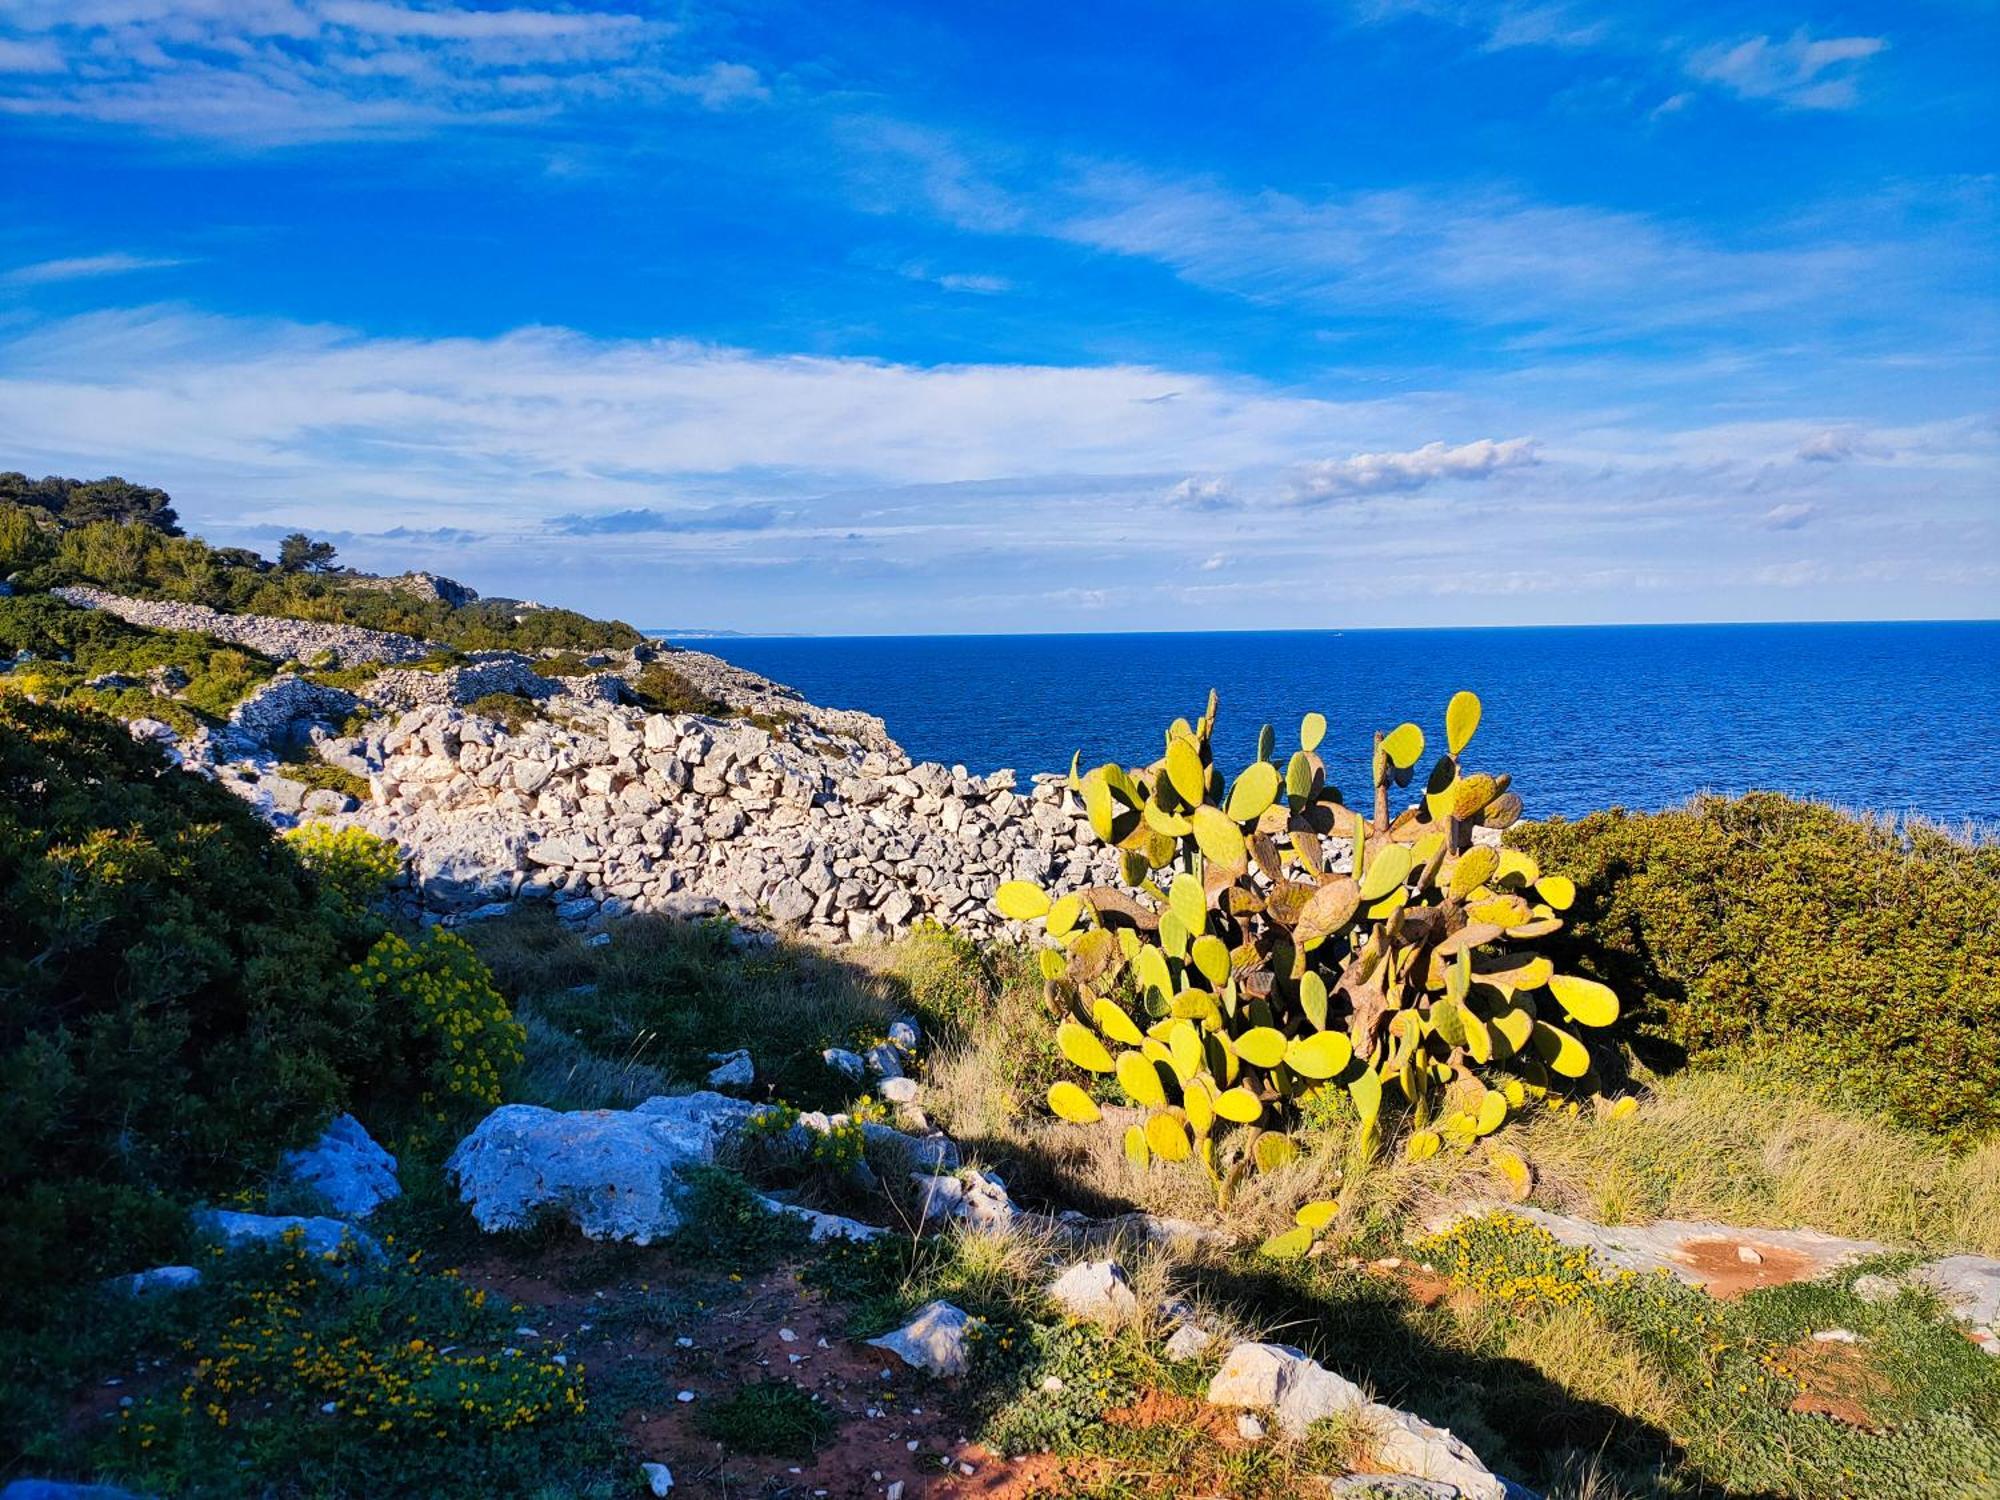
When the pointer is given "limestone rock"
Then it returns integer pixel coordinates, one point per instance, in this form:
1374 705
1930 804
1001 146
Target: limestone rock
898 1090
1389 1487
159 1279
972 1197
320 1236
346 1168
62 1489
847 1064
1970 1286
732 1070
1098 1291
934 1340
612 1173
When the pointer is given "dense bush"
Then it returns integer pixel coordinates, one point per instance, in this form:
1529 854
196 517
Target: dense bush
1855 955
173 1005
456 1036
179 995
77 502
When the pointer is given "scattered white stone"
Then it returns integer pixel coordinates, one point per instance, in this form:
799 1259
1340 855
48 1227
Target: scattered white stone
1389 1487
732 1070
1189 1341
1098 1291
884 1061
659 1478
894 1491
847 1064
1748 1256
1836 1336
684 1397
1250 1428
1876 1288
898 1090
319 1236
821 1226
602 940
1052 1384
903 1035
934 1340
787 1336
1300 1391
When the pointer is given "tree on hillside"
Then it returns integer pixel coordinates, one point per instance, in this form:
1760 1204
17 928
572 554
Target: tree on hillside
78 502
299 553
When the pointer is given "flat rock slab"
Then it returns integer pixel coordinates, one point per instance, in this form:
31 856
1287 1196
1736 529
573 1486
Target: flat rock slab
1722 1258
319 1236
1970 1286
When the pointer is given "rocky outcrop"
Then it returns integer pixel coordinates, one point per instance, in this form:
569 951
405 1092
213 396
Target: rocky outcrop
282 713
399 689
280 639
426 586
346 1168
751 693
1300 1391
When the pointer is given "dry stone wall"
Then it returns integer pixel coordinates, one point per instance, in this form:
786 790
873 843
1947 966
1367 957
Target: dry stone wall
280 639
614 811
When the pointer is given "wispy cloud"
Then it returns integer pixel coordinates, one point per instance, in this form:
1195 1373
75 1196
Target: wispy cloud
1789 517
1381 473
704 518
1801 71
281 72
83 267
955 281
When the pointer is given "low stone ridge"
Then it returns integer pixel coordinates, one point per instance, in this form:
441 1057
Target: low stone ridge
427 586
1300 1391
1698 1253
1970 1286
277 637
1098 1291
319 1236
613 1173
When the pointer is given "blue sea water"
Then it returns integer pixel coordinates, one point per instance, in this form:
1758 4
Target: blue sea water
1895 717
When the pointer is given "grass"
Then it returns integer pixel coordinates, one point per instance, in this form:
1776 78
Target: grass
769 1416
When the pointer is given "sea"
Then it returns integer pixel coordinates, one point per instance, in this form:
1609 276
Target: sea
1895 718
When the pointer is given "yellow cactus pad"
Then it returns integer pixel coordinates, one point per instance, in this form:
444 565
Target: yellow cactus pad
1587 1002
1021 901
1261 1046
1113 1022
1081 1046
1141 1080
1320 1055
1071 1103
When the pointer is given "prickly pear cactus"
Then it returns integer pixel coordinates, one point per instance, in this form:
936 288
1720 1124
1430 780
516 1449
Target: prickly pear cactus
1276 945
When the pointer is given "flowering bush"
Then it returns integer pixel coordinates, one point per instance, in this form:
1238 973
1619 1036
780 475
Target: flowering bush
353 863
459 1037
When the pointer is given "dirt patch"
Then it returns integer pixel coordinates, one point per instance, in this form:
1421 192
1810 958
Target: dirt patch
1834 1380
1728 1271
1162 1409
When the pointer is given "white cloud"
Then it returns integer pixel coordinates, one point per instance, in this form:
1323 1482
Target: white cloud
278 72
1789 516
1202 491
1380 473
80 267
955 281
1800 71
1214 561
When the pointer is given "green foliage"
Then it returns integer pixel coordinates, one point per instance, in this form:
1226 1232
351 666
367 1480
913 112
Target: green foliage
725 1225
1411 973
299 553
78 502
769 1416
950 978
321 777
451 1032
1855 956
70 647
174 1004
27 537
662 690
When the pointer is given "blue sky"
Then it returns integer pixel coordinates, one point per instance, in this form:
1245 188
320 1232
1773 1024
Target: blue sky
915 317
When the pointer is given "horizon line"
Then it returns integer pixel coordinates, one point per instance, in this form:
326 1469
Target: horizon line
718 634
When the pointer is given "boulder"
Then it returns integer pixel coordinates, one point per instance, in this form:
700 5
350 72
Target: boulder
62 1489
1389 1487
347 1169
1098 1291
972 1197
732 1070
613 1173
847 1064
934 1340
159 1279
1970 1286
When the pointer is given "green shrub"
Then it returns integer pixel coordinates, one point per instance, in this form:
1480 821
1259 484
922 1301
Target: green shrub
509 710
664 691
174 1004
27 537
1856 955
